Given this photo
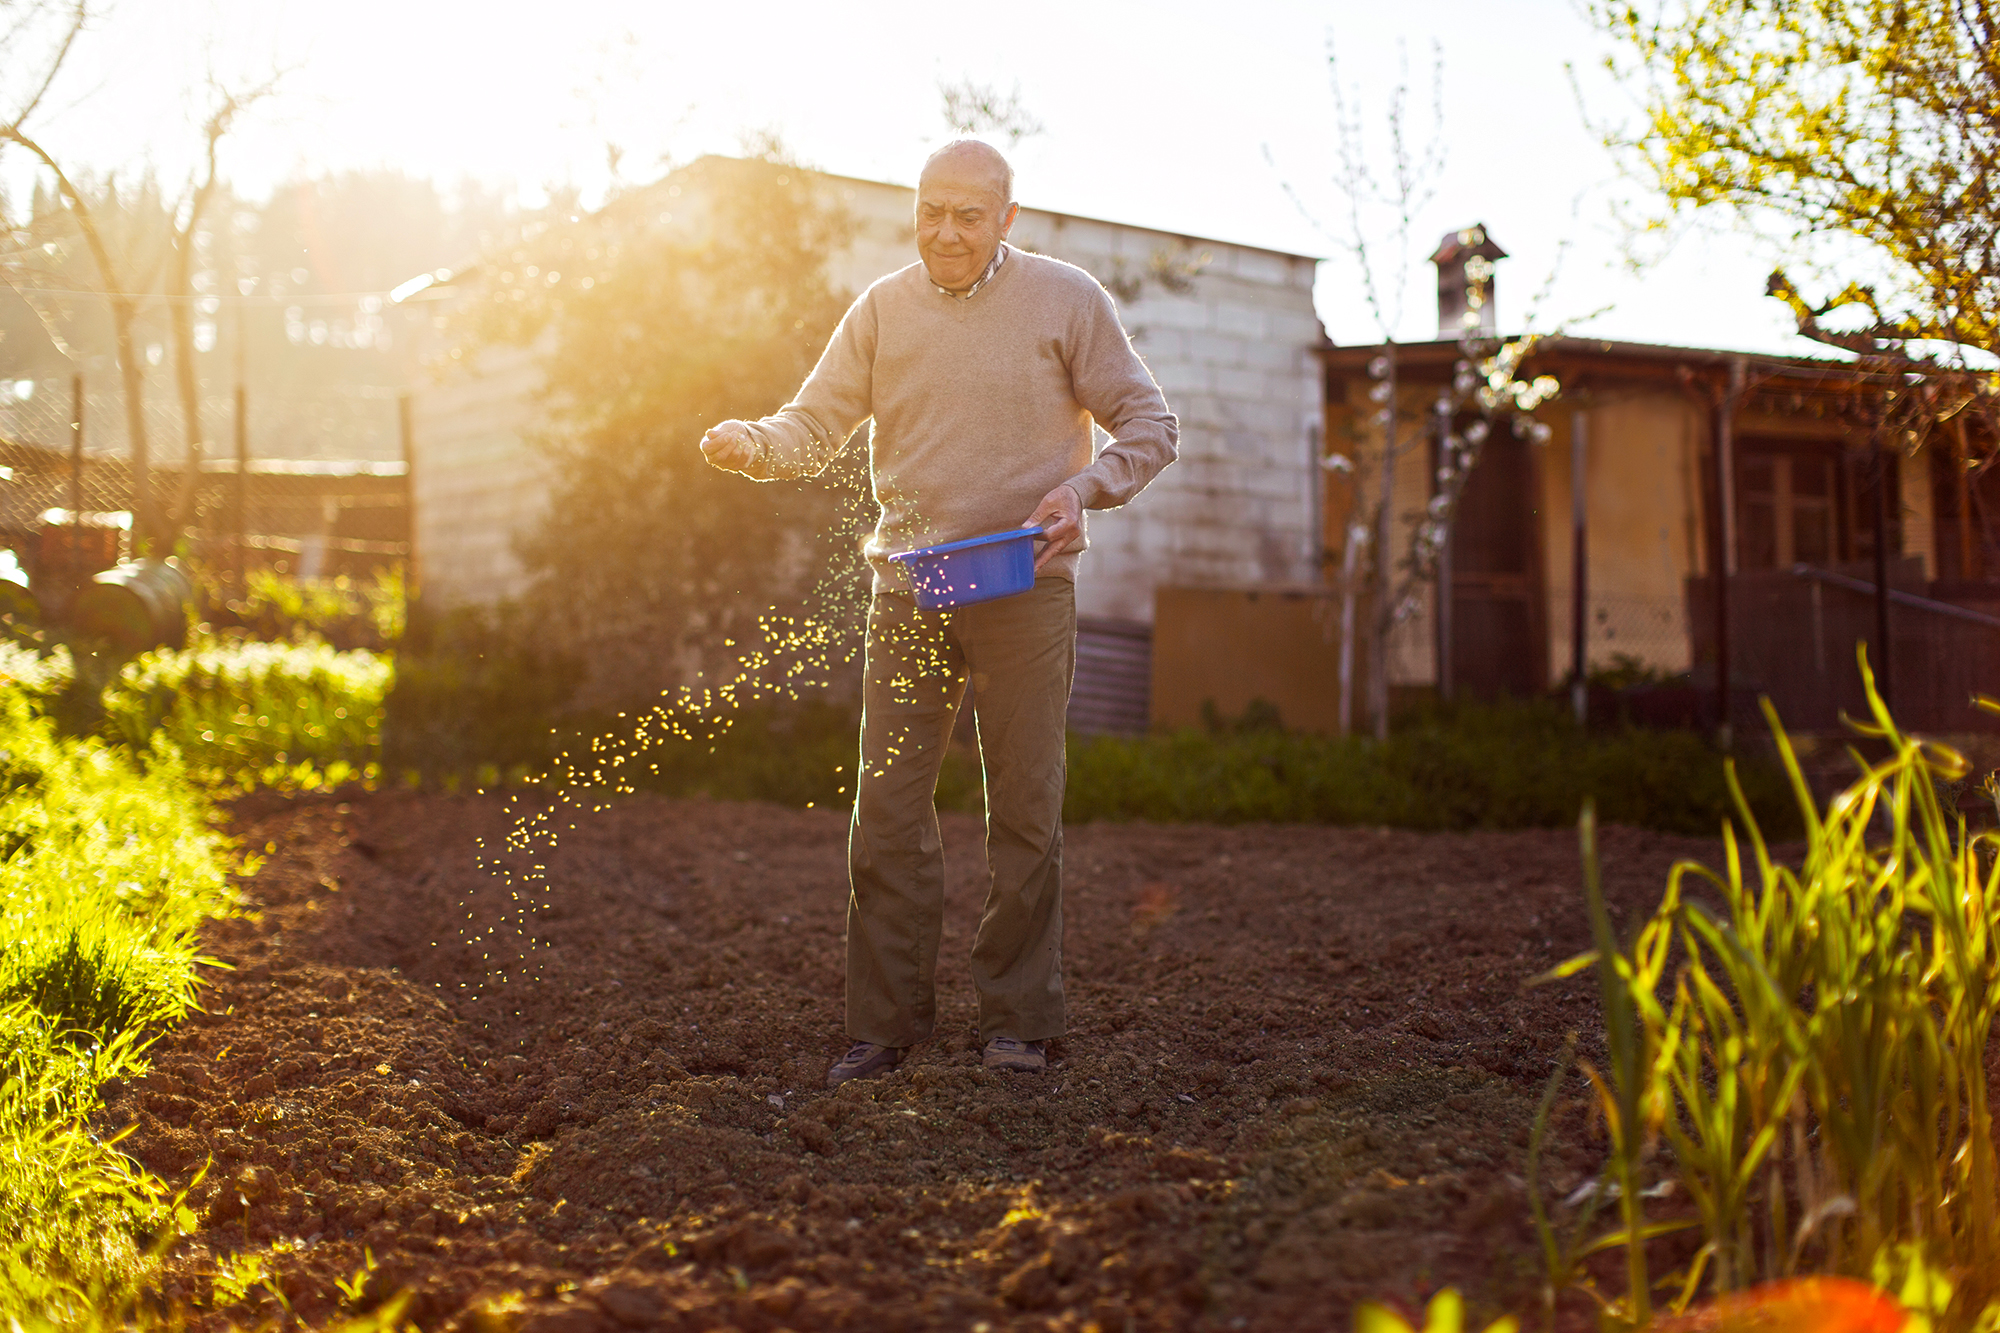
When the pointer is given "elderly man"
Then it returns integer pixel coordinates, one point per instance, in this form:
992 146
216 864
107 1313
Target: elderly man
983 367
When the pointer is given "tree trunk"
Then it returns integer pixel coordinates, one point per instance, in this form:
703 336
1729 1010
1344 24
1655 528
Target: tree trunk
1350 570
181 318
132 380
1384 618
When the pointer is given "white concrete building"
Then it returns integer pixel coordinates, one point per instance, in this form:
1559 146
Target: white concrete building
475 481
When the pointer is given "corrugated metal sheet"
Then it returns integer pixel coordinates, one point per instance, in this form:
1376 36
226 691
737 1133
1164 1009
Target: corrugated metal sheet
1114 674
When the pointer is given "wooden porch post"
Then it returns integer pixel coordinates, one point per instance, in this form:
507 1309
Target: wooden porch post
1885 667
1446 643
1725 532
1579 612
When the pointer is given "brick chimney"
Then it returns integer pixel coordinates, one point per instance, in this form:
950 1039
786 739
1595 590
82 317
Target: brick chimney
1465 260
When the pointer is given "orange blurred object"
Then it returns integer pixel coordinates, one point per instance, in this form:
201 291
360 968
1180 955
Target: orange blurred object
1802 1305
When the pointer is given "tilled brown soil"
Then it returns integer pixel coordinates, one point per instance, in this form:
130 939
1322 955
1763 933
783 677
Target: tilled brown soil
1301 1070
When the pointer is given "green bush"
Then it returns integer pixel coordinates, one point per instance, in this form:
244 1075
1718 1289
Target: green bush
274 608
98 978
244 714
1504 765
1507 765
74 1209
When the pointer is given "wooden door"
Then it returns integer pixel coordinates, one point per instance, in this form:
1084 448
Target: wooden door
1499 643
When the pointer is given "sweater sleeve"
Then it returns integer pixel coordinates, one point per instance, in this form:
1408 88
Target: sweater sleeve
806 434
1114 386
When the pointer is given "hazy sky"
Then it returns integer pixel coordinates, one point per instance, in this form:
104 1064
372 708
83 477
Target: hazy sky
1185 116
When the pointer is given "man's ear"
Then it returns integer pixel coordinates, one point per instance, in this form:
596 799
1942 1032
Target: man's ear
1007 223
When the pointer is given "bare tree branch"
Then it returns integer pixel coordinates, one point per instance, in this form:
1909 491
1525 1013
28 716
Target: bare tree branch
977 108
229 106
16 36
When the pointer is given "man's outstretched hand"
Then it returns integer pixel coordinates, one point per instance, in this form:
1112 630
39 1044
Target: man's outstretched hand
1060 517
728 445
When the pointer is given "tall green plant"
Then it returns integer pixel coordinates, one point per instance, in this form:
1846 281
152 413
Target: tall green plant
1818 1064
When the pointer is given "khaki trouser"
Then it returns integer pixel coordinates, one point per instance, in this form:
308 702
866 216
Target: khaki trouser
1018 654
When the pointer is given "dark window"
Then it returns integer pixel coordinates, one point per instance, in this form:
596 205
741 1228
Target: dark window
1784 509
1812 509
1758 503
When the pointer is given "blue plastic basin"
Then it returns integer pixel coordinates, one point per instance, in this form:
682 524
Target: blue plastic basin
978 569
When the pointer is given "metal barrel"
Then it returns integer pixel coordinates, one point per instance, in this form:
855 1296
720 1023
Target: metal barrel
135 605
18 606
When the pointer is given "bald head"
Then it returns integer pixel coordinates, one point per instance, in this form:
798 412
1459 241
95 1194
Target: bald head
965 207
968 161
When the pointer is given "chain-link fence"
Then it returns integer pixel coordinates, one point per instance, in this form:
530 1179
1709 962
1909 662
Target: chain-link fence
1629 638
68 506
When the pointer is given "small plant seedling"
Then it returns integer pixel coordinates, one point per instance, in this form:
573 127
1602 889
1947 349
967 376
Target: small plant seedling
1445 1314
351 1288
241 1274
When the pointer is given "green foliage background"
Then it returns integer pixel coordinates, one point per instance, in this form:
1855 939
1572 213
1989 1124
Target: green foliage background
1497 765
1503 765
702 298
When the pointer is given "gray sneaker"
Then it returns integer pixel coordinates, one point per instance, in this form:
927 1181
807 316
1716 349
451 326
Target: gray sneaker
864 1059
1014 1056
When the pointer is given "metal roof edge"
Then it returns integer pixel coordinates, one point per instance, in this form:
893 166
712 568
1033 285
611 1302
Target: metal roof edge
1036 208
475 263
1621 348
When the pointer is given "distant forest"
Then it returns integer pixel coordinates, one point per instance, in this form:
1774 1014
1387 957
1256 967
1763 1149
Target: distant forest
303 274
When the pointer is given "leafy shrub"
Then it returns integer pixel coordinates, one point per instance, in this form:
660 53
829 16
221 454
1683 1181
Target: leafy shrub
344 612
1504 765
111 863
246 714
73 1207
98 978
1487 766
89 824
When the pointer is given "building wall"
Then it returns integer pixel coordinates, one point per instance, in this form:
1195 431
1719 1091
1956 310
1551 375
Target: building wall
1643 521
477 481
1641 484
1646 481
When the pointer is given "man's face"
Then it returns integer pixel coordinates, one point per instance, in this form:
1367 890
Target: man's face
962 216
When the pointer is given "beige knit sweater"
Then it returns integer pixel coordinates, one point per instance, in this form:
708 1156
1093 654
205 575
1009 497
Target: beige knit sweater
982 406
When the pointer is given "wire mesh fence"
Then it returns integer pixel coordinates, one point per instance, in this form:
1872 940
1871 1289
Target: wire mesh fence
1629 638
71 506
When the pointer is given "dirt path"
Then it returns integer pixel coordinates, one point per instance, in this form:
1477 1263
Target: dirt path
1300 1071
